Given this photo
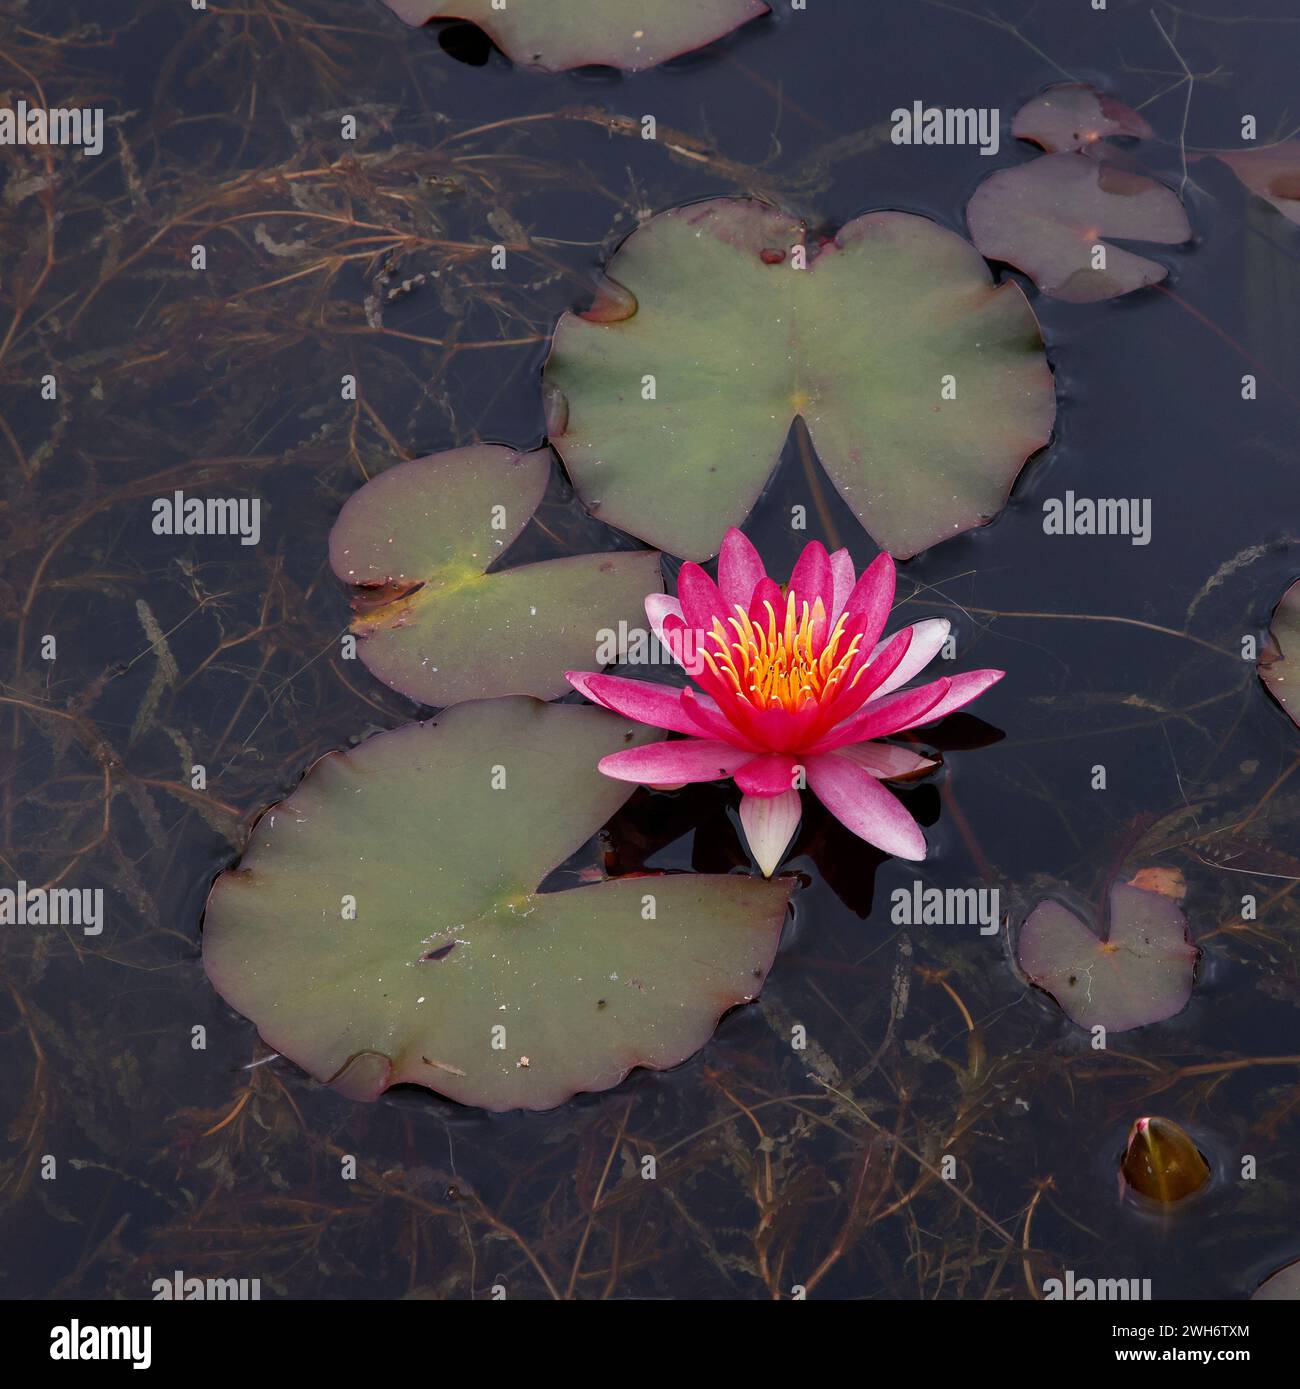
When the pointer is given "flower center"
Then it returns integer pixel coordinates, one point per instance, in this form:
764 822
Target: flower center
786 665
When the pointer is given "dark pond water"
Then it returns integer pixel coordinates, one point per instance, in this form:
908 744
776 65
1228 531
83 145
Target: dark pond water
176 651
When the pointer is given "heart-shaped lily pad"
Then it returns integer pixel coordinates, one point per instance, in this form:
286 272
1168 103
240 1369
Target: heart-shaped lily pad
923 386
415 543
385 923
1075 116
1140 973
558 34
1279 668
1050 216
1272 172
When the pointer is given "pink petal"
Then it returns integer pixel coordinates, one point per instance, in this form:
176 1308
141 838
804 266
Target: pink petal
872 598
701 602
768 591
970 684
881 717
769 823
884 661
675 763
887 761
687 647
658 705
859 802
659 606
928 638
768 776
712 722
812 579
856 689
739 570
844 577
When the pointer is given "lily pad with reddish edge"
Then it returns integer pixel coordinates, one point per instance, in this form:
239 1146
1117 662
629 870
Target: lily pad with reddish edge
1047 218
1279 665
1282 1286
558 34
415 544
670 401
1273 173
1140 973
1076 116
386 924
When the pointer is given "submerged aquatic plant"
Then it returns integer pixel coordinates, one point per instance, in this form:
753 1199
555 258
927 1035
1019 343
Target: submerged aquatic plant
794 686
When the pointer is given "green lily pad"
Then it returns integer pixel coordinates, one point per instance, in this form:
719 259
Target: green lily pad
709 313
1076 116
1279 668
415 543
1273 173
1048 216
441 834
1140 973
559 34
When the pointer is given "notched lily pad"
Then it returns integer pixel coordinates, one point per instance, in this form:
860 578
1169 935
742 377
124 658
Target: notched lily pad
1279 665
1273 173
1048 217
385 923
415 543
924 387
1076 116
1140 973
559 34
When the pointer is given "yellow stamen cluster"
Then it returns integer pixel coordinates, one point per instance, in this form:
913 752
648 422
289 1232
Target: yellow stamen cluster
776 666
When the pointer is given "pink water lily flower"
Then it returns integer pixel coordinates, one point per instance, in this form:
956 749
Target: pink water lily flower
794 686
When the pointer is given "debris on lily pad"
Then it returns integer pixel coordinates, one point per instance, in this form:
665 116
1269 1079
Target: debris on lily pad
1076 116
1055 217
1272 172
386 923
558 34
1169 882
923 385
415 544
1279 663
1140 972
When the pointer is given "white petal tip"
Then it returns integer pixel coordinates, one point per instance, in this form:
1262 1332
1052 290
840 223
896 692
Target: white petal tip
770 823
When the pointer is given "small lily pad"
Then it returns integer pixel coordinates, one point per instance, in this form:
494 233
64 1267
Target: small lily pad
1140 973
1283 1286
1049 216
557 34
1076 116
1273 173
415 543
1279 667
924 387
386 922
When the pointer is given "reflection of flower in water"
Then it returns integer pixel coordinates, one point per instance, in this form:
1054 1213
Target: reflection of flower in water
793 686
